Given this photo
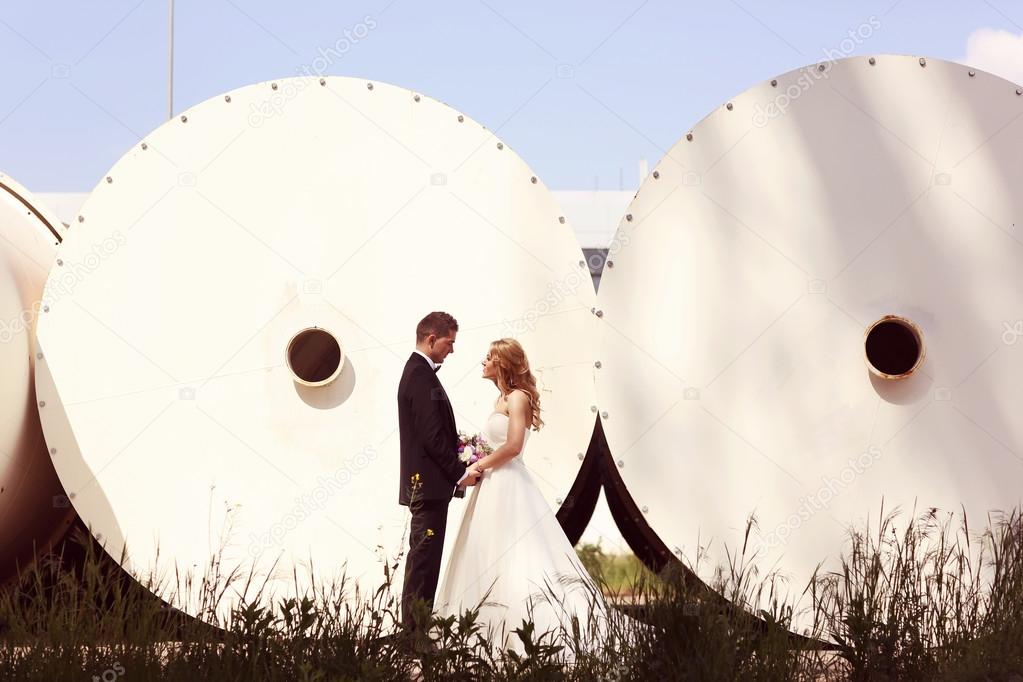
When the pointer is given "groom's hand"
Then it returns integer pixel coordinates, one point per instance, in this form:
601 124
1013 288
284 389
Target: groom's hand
472 476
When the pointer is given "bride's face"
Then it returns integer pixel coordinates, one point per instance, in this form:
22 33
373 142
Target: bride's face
490 366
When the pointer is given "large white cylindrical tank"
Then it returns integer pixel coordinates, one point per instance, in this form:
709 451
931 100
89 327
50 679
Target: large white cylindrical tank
226 377
813 311
33 509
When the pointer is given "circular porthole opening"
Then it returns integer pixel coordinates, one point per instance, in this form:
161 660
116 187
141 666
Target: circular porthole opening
314 357
893 347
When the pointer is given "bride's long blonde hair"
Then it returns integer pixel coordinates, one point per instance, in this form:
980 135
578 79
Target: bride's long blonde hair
513 373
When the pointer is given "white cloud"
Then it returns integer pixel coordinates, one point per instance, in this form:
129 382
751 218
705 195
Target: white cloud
998 52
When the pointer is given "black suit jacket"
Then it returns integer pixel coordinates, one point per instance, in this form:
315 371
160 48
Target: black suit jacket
426 429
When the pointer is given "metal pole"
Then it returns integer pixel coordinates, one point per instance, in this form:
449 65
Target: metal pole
170 64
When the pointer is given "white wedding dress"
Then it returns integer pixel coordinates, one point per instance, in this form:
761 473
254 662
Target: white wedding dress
510 543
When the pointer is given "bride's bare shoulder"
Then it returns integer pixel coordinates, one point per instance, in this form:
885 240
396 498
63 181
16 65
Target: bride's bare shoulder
518 399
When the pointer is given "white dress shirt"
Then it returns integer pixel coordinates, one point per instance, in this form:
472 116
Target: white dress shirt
434 366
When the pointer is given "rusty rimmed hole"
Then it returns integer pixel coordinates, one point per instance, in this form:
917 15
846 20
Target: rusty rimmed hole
893 347
314 356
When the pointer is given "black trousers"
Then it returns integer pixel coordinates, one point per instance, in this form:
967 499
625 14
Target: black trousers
422 567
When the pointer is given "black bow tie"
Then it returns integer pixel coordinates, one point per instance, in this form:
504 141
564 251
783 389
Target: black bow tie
436 368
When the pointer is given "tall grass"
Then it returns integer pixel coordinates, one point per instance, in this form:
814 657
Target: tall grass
929 601
619 572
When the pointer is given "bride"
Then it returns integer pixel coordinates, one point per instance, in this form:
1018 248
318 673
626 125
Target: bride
510 556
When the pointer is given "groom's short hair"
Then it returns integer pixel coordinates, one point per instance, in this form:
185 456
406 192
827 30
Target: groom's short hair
437 323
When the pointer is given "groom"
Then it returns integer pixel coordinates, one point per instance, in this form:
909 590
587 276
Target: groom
430 469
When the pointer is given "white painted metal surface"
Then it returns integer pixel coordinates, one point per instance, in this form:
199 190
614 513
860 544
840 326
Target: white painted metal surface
733 317
356 207
593 214
32 508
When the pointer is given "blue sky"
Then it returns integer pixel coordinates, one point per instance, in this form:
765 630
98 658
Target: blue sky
581 90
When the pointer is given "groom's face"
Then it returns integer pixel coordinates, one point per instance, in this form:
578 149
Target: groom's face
443 346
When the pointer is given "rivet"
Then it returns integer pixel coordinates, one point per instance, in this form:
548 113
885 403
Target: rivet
500 145
461 118
581 456
728 106
109 180
71 496
42 403
872 61
621 464
593 408
603 415
561 219
657 174
273 86
39 356
53 451
415 98
145 146
323 81
46 308
645 509
533 179
923 62
184 119
60 262
972 73
558 500
628 217
610 264
369 86
774 83
1019 91
597 364
689 136
599 313
821 67
227 98
81 219
582 264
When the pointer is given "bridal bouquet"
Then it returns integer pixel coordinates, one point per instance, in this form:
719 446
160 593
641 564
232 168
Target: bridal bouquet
472 449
